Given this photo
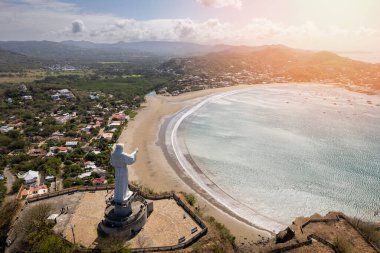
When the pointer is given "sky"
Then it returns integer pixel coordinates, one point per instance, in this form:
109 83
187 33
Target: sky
338 25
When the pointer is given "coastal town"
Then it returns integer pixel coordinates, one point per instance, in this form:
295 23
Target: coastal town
60 147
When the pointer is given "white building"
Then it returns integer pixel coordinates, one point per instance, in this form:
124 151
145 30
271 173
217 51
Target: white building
71 143
31 177
27 98
6 129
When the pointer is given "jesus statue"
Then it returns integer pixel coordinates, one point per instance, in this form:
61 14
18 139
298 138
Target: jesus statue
120 160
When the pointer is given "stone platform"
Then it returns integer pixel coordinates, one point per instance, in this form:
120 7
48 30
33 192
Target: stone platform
127 219
163 227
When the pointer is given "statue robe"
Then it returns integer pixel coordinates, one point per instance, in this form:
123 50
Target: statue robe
120 160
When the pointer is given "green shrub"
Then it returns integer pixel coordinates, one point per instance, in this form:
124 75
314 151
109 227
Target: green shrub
190 198
7 212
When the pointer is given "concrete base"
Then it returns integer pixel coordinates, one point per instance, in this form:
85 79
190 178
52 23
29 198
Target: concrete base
126 220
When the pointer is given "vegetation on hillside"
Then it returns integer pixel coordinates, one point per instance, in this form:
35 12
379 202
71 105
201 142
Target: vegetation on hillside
37 235
7 212
370 230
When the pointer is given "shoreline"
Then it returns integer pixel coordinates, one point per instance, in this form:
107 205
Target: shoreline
183 164
195 187
157 171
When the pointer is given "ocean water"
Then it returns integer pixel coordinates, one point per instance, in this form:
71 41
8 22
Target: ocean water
291 150
370 57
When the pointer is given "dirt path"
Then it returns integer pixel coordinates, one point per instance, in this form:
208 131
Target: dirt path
10 179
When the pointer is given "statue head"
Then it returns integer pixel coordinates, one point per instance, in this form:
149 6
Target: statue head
119 148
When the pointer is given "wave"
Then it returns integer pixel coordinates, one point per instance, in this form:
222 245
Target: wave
178 150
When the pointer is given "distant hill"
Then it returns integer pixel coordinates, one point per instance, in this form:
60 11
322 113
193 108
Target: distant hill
277 62
121 51
10 61
158 48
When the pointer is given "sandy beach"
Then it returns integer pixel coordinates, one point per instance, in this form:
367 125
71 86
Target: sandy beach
153 168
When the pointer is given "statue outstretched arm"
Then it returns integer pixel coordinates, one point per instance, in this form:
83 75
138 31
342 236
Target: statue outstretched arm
131 158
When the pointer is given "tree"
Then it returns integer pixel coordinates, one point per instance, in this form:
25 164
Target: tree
46 241
72 170
7 212
17 184
17 144
37 234
51 165
35 218
90 156
3 191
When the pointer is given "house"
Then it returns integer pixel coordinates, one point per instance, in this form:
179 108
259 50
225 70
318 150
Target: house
6 129
31 177
55 97
71 143
66 93
85 174
89 165
93 97
107 136
119 116
114 124
99 181
100 172
23 88
50 178
33 191
57 134
37 152
27 98
61 120
63 149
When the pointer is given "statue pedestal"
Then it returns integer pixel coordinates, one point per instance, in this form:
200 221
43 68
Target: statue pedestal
124 209
125 219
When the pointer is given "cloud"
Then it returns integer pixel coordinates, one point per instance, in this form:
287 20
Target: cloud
220 3
47 5
25 21
77 26
185 29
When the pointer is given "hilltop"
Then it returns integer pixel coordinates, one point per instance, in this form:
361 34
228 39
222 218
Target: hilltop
274 63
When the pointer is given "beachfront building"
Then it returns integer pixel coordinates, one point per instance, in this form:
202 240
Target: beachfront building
107 136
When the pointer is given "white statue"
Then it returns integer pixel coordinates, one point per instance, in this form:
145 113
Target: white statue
120 160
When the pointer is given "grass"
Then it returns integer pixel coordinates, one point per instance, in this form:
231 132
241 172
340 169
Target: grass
36 74
368 229
224 232
341 245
